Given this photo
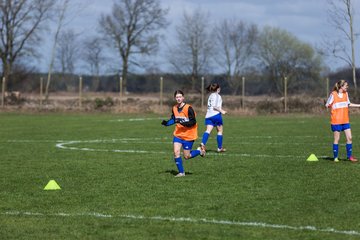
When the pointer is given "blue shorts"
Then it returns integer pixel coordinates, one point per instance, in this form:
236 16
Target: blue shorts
187 145
340 127
214 120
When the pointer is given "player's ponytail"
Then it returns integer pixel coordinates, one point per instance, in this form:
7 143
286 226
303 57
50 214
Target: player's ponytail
338 85
213 87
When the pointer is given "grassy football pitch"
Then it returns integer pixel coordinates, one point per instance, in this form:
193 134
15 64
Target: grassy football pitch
116 174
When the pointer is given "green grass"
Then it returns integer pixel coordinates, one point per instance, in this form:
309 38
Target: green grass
261 188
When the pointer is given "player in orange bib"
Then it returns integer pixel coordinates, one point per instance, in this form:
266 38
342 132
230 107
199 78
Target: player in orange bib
184 116
339 103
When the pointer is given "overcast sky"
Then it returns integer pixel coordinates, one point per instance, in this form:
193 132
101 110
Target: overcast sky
306 19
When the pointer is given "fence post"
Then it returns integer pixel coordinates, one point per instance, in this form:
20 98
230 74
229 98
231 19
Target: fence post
120 90
41 91
327 88
285 94
243 93
202 92
161 93
80 91
3 92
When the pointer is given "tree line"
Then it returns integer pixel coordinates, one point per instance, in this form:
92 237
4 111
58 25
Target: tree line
128 38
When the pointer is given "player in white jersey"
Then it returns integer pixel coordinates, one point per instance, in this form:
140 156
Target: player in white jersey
213 117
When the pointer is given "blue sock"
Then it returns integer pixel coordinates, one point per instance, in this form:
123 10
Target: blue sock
219 140
179 165
194 153
205 138
349 150
336 150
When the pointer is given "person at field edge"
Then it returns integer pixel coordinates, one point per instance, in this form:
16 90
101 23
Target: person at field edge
185 133
339 103
213 117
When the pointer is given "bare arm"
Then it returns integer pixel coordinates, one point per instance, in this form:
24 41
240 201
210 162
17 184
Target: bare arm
329 102
354 105
220 110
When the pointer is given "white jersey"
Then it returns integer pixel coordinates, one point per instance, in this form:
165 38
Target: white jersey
331 99
214 100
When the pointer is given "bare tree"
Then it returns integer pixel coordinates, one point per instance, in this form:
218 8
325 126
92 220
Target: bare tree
60 11
65 12
20 26
235 42
67 57
133 29
68 51
93 56
341 17
192 50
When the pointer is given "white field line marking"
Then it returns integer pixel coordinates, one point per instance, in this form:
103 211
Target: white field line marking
144 141
96 140
239 139
189 220
153 141
242 140
64 145
134 119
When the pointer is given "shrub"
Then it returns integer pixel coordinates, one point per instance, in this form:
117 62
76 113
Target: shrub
267 106
100 103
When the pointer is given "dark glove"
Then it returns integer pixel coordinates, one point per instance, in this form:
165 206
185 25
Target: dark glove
164 122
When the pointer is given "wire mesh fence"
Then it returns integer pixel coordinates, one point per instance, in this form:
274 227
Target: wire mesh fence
80 96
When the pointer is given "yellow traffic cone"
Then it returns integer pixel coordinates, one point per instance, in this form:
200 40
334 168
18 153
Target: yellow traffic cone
52 185
312 158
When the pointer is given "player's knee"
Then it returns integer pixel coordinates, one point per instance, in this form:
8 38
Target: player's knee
187 156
